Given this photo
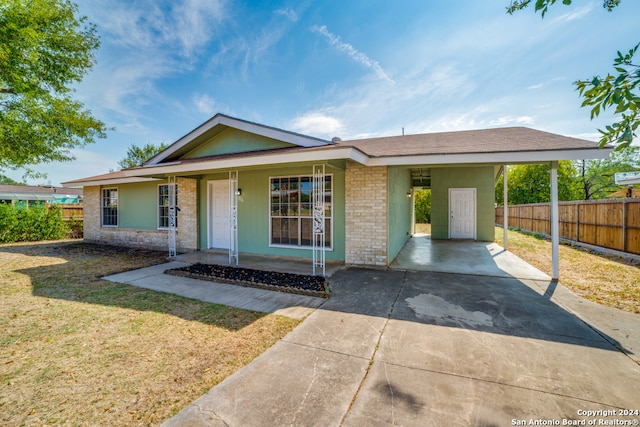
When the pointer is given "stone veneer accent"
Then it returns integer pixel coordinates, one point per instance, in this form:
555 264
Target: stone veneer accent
366 214
187 234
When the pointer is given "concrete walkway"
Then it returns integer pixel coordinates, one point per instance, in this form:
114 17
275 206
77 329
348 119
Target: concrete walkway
290 305
415 348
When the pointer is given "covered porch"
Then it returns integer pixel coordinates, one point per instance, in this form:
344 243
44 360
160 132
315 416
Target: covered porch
420 253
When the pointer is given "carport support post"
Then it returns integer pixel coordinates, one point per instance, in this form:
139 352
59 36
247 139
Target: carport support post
505 206
555 240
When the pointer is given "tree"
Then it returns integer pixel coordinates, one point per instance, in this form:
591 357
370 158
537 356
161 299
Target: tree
136 156
532 184
596 178
619 92
423 206
6 180
44 49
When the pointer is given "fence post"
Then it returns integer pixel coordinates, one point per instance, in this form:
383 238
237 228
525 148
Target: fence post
624 225
577 222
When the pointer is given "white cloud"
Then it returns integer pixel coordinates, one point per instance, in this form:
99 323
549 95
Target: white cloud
574 14
509 120
290 14
317 124
352 52
205 104
145 41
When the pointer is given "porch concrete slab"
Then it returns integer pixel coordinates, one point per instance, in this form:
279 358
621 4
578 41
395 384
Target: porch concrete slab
421 253
290 384
263 301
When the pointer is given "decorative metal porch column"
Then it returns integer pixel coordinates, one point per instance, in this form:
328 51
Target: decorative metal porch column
318 230
233 217
171 181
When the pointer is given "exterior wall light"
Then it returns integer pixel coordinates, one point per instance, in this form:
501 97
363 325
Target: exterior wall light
408 194
239 192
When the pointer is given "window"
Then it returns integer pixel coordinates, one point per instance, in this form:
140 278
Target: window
163 206
291 207
110 207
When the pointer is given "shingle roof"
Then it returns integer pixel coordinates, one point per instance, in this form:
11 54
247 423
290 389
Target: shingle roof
500 140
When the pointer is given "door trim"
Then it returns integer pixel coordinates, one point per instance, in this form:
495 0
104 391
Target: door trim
474 223
210 219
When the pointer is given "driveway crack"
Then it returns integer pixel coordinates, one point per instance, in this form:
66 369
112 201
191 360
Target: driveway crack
375 350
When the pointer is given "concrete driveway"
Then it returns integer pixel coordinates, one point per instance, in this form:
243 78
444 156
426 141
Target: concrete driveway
395 347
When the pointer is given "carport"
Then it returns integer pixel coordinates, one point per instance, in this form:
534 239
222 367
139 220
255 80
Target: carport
461 169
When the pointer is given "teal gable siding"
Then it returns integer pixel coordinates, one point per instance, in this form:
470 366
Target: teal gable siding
234 141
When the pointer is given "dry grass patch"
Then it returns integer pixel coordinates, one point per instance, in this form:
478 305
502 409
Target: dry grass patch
79 350
605 279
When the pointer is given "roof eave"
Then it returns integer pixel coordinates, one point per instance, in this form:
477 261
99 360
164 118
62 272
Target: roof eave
303 156
492 158
107 181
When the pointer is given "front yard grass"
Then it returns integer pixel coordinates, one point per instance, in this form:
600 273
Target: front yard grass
79 350
605 279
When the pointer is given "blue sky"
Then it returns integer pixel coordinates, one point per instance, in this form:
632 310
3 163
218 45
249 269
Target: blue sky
340 68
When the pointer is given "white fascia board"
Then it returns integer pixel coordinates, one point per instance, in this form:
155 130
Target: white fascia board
266 131
629 181
114 181
342 153
493 158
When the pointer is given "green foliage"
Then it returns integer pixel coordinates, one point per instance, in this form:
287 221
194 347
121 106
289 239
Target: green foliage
622 93
619 92
596 178
532 184
6 180
28 225
44 50
543 5
423 206
138 155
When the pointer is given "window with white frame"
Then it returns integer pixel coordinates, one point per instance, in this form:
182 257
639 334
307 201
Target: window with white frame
291 208
109 207
163 206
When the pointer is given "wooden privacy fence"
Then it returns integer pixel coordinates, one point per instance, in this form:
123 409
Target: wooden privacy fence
71 211
613 224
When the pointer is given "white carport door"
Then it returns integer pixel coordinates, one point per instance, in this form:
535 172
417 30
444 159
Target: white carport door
462 213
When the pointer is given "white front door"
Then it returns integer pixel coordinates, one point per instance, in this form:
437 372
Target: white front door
218 208
462 213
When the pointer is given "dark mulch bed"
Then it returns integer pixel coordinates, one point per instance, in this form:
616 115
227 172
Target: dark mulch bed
271 280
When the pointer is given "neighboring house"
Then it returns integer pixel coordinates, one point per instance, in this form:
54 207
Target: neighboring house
629 192
251 188
26 195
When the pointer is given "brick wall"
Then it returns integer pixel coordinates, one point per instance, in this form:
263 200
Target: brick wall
187 234
366 222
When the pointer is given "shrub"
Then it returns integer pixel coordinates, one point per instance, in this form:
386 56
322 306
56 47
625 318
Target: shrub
35 223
